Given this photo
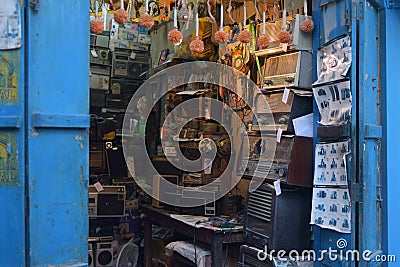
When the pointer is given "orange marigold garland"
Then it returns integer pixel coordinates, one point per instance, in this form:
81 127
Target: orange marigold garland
96 25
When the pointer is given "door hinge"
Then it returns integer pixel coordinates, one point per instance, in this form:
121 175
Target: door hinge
34 4
357 10
356 192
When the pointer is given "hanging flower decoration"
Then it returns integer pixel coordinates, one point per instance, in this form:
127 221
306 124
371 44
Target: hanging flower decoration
244 36
197 45
263 40
96 25
307 25
120 16
221 36
284 36
146 21
174 35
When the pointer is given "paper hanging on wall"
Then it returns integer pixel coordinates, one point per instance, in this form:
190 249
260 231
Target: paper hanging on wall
10 25
330 164
331 209
334 61
334 103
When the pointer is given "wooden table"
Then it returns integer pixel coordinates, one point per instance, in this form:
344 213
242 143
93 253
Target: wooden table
215 238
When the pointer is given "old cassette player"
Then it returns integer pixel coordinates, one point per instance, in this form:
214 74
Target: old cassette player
284 107
300 40
98 40
110 202
288 70
124 86
100 56
126 67
99 82
292 163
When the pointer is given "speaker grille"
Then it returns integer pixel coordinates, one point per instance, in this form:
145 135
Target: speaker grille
260 205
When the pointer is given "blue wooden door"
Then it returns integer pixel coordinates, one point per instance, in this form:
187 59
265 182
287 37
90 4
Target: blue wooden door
362 21
12 136
57 97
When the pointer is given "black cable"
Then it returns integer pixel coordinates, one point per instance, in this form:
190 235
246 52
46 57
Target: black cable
226 254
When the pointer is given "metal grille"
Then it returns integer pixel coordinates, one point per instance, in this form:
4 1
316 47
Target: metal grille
260 205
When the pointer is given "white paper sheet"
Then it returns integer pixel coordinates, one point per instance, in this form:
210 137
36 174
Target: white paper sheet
304 126
10 25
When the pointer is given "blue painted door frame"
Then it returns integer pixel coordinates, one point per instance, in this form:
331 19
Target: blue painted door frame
391 144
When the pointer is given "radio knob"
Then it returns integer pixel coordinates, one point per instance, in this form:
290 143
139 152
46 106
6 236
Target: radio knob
269 82
282 172
289 79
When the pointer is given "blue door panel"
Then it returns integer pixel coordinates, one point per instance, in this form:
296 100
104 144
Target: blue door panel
57 141
12 157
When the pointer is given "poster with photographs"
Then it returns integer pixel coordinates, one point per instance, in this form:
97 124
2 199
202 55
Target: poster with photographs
334 61
331 209
10 25
334 103
330 164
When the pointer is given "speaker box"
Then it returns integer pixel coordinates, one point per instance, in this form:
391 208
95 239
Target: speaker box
104 254
90 255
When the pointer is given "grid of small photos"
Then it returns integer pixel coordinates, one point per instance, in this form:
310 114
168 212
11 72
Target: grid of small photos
331 206
331 198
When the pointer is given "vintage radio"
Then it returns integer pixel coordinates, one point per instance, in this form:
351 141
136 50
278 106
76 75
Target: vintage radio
300 40
278 222
99 40
100 69
288 70
97 98
99 82
110 202
124 66
292 163
124 86
118 101
284 107
100 56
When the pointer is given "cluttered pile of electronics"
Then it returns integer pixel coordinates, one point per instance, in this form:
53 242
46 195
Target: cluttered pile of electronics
278 211
116 72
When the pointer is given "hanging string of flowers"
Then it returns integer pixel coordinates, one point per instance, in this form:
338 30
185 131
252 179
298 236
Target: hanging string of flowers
197 45
263 40
174 35
308 24
244 36
96 25
145 20
120 16
284 35
221 36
